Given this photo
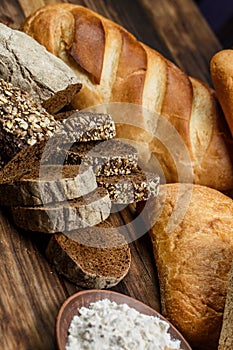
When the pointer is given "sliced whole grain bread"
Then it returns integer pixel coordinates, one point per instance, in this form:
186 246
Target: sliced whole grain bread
65 216
28 65
87 126
102 263
126 189
48 184
23 121
111 157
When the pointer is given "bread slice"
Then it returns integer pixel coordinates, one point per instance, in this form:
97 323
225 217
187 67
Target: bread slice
65 216
100 263
126 189
111 157
192 240
26 181
87 126
23 121
48 184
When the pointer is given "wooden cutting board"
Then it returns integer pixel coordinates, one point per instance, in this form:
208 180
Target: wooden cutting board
31 291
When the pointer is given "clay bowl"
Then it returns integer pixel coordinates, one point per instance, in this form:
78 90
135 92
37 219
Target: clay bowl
73 303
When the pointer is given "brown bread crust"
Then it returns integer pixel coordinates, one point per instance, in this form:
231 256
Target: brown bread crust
193 258
126 70
221 68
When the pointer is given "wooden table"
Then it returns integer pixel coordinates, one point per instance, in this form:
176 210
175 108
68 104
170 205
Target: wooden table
31 291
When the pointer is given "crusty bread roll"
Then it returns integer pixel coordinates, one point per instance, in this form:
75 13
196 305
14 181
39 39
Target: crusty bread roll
115 67
221 68
192 239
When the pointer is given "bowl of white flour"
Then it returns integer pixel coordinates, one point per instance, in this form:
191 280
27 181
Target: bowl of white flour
106 320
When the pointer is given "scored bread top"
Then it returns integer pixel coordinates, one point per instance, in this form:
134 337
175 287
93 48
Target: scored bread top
126 70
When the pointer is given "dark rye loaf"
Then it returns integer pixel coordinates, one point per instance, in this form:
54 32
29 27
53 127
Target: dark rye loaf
28 65
102 263
65 216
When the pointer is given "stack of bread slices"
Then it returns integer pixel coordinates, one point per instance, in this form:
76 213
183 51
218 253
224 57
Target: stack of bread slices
61 176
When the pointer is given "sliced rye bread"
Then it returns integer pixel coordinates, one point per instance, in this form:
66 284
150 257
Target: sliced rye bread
111 157
28 65
23 121
24 181
48 184
102 263
126 189
65 216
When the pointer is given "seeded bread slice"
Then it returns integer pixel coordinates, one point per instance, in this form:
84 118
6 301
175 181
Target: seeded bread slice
23 121
126 189
87 126
111 157
48 183
28 65
91 266
81 212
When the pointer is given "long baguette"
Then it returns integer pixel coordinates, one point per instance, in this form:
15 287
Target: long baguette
113 66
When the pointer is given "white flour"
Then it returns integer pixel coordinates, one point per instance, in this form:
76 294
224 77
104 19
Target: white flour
106 325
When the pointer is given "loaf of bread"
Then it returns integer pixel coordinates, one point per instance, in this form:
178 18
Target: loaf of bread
125 70
26 64
221 68
226 336
192 240
100 259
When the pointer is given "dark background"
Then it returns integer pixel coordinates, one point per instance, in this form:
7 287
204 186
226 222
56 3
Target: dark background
219 15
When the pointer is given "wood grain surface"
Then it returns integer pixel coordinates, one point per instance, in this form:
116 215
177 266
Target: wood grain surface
31 290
